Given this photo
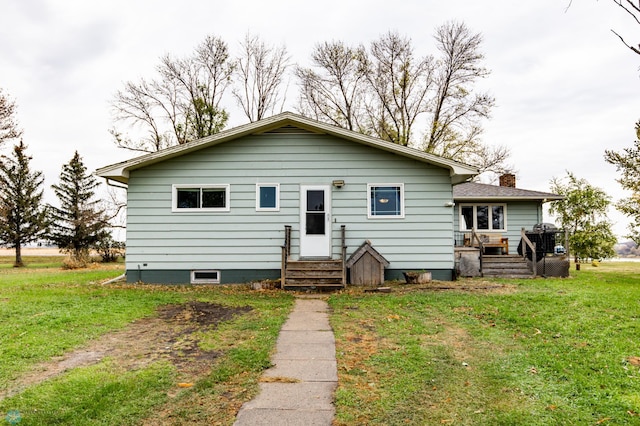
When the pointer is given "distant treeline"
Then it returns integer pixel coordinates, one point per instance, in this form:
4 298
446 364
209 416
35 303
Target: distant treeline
627 249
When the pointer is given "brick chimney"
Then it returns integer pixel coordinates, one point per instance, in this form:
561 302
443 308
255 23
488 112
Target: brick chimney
508 180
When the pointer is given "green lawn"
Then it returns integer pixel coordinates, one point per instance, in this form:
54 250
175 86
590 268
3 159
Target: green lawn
46 311
539 352
533 352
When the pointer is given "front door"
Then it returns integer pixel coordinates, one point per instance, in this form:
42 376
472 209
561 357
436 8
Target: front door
315 221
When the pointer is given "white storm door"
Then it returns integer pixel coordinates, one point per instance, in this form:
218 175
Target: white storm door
315 221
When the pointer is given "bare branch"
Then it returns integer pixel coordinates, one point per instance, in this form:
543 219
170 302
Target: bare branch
260 73
181 104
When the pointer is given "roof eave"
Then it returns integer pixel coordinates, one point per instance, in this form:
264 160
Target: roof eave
517 198
120 172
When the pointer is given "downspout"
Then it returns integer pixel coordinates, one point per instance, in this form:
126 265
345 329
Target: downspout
122 186
118 278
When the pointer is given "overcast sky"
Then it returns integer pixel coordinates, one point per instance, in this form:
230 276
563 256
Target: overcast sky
566 88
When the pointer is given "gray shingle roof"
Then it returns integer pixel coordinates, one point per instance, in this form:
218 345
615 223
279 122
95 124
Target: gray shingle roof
481 191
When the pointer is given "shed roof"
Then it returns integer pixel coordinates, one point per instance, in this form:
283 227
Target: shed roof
365 248
469 191
120 171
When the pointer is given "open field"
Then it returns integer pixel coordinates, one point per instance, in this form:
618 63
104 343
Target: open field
472 352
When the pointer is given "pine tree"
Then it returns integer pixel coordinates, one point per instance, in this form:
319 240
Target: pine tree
79 224
23 217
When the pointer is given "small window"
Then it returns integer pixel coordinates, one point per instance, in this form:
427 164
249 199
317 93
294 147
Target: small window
385 200
205 277
267 197
483 217
200 197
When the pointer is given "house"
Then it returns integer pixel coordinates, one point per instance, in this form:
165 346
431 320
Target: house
502 210
497 215
220 209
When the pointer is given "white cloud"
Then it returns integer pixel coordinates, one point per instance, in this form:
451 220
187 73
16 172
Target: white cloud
565 86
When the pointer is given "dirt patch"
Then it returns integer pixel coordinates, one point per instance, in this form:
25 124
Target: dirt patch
474 285
170 335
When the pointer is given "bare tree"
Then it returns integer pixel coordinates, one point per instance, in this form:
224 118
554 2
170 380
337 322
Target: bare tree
182 104
456 110
389 93
400 85
260 71
631 9
8 124
333 89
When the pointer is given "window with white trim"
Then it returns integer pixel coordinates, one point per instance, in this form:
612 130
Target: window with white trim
385 201
190 198
267 197
483 217
207 276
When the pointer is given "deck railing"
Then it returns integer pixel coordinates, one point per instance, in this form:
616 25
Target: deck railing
343 253
475 236
526 242
286 253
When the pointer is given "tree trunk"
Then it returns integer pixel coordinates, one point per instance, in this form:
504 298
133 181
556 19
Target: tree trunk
18 263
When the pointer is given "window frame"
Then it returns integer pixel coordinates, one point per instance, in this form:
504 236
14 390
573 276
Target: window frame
174 198
370 214
259 186
195 280
490 207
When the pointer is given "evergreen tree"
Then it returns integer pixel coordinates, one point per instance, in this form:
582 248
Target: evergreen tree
23 217
79 224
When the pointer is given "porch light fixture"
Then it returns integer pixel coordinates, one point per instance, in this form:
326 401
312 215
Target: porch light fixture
338 183
449 204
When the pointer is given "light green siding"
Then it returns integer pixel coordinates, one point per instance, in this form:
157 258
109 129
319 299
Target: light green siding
520 214
245 239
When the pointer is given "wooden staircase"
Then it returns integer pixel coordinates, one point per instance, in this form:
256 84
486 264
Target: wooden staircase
505 266
314 273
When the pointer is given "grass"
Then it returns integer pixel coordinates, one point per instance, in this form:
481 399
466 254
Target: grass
45 312
533 352
554 351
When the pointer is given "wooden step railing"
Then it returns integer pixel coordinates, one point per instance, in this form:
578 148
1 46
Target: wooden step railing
532 246
325 273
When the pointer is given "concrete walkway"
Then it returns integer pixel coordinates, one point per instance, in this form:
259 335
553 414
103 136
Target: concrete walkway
298 389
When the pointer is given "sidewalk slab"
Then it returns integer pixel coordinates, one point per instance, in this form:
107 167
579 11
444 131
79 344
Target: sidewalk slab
324 337
294 396
308 370
309 321
305 305
298 351
267 417
305 352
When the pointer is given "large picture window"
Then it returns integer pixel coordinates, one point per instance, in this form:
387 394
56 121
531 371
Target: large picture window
385 200
200 197
483 217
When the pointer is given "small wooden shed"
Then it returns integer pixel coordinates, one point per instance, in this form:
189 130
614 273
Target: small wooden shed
366 266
